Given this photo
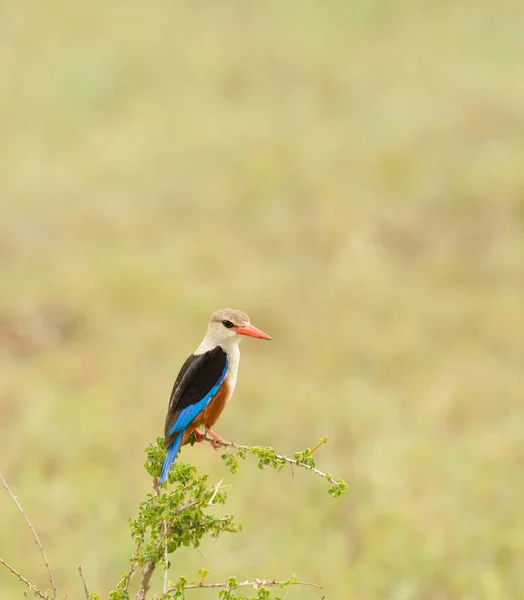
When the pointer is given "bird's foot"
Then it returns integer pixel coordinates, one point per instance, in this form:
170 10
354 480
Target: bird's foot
198 435
217 440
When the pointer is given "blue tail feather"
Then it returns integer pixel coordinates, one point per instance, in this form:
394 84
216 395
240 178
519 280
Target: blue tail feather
172 451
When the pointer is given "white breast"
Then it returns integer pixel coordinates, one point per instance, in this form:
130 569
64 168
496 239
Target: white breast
233 356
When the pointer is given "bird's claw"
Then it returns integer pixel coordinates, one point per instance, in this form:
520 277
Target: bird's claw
217 442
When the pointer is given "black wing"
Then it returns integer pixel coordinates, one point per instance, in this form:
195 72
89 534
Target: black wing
197 377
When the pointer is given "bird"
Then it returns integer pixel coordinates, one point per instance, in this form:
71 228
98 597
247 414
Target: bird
206 382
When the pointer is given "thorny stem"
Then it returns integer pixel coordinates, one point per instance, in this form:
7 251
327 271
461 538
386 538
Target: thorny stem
255 584
35 535
23 579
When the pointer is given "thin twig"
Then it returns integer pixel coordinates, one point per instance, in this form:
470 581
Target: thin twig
23 579
186 506
256 584
291 461
83 581
317 445
132 568
217 487
35 535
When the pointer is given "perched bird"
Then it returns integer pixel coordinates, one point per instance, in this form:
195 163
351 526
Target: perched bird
206 381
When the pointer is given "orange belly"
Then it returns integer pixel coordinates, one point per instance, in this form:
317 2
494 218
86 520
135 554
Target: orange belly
209 416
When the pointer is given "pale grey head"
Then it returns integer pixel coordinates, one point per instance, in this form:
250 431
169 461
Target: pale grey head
226 328
237 317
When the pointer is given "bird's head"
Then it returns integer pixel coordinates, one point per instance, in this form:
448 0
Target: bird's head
227 326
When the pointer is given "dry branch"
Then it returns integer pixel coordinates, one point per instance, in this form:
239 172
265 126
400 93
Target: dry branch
80 572
23 580
35 535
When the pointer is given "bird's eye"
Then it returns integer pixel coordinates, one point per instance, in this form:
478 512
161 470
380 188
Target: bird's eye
227 324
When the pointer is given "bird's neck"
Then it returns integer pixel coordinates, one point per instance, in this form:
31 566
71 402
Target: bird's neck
230 346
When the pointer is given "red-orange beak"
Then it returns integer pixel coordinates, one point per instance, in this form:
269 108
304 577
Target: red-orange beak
250 331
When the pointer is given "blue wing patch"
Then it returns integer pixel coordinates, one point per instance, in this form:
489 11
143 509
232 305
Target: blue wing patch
187 414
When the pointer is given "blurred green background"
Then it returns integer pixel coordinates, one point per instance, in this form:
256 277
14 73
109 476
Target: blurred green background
351 174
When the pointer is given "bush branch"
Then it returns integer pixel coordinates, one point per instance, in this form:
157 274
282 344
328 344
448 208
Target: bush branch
145 582
166 556
35 535
336 485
